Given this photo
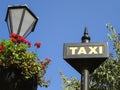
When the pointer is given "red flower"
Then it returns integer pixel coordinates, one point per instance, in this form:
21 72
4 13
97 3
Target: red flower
21 39
29 44
17 38
43 65
2 48
14 35
37 44
13 39
48 59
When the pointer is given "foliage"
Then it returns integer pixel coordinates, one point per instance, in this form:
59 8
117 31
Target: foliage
107 76
14 53
115 38
70 84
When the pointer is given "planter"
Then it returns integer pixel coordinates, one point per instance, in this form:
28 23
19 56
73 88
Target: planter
11 79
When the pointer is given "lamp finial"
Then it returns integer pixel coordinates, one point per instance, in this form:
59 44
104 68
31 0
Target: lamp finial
85 38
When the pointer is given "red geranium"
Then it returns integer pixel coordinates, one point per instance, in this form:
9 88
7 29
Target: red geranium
20 39
37 44
2 48
14 35
48 59
29 44
15 53
13 39
43 65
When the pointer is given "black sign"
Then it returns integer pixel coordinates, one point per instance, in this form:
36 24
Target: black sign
85 50
85 55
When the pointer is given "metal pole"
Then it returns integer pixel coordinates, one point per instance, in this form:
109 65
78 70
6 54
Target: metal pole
85 71
85 79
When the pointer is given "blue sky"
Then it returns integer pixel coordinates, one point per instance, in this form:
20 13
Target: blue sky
63 21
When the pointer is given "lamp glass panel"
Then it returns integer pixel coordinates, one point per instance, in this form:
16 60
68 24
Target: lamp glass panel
16 15
29 30
27 22
9 24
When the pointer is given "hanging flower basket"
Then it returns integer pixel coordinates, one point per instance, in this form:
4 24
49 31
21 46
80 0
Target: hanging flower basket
11 79
20 69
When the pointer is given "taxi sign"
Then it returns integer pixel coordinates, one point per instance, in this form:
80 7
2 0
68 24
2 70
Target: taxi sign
85 55
85 50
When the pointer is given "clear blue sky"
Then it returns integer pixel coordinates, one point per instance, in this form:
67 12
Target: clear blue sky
63 21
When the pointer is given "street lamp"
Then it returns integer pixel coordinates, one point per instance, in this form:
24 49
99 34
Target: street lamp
20 20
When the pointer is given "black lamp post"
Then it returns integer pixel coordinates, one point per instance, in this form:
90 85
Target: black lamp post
85 71
20 20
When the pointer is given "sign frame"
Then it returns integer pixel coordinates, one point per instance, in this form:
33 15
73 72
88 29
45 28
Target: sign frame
79 56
